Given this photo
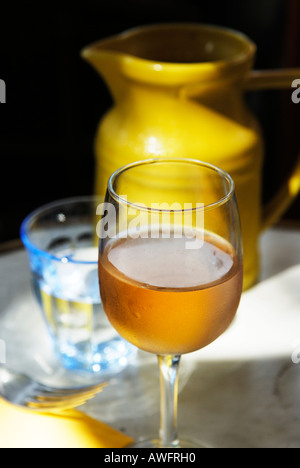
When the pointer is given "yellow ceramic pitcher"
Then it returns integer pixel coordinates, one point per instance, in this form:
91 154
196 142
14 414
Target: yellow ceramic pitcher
178 92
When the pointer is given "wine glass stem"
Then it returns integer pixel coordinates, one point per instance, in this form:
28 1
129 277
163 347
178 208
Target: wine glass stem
169 370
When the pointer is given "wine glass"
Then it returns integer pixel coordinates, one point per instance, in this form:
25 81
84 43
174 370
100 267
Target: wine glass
170 265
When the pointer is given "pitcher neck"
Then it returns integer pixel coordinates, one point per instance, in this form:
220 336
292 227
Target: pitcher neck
123 74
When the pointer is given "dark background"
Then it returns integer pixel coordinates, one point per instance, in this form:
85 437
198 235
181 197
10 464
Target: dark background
55 100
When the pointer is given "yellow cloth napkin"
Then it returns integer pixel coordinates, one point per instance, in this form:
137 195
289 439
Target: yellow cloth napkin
21 428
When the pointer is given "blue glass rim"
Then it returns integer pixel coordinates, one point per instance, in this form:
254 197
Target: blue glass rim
34 249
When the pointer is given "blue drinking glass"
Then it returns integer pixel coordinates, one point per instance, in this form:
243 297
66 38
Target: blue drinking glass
62 246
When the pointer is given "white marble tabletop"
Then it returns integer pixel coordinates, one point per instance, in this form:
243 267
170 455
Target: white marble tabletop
243 391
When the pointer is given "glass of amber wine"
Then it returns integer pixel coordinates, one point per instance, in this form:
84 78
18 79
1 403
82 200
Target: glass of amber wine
170 265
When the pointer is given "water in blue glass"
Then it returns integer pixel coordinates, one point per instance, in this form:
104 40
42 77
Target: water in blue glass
68 292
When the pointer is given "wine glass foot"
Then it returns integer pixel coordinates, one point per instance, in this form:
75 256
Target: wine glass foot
156 443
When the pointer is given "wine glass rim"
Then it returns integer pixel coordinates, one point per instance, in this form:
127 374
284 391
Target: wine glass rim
199 207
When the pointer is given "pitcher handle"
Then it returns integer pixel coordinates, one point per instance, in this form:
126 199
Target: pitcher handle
277 79
271 79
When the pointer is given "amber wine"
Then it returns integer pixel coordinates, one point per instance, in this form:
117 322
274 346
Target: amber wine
167 299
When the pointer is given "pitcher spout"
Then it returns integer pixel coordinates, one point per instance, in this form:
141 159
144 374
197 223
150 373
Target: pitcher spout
99 53
107 62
